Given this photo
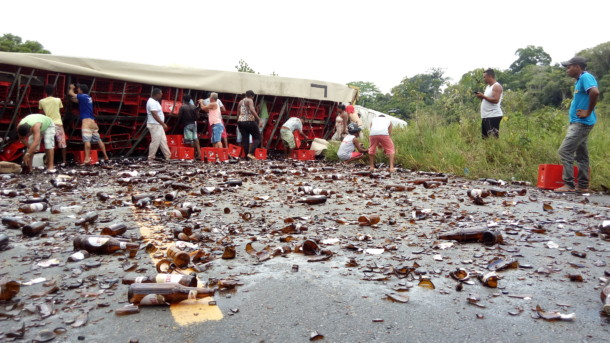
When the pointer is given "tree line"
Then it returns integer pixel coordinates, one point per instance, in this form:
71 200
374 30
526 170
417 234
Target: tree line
530 82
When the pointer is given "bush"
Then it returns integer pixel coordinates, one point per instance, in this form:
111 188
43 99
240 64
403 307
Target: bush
431 143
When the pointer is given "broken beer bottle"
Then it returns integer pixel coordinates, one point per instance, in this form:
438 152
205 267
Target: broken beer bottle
102 244
488 237
313 199
33 229
605 296
184 280
36 207
180 258
162 293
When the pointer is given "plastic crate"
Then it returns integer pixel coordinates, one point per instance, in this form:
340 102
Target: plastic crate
235 150
79 156
223 154
209 154
294 154
550 176
260 154
168 106
182 153
174 140
306 155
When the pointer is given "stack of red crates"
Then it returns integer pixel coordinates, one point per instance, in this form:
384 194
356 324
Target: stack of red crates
179 150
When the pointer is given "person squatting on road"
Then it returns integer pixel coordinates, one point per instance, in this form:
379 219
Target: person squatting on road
31 130
381 129
287 133
350 142
582 119
491 112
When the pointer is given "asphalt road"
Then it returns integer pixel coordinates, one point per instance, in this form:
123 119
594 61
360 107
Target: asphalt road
275 303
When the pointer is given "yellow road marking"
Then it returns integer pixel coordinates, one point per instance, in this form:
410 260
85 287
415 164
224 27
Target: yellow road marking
188 311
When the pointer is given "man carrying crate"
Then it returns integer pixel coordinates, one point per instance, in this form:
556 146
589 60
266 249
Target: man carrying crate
287 133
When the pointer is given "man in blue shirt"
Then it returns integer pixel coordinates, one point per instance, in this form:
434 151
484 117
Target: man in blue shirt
89 128
582 119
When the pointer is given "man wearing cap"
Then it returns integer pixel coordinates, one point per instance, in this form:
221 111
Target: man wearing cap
582 119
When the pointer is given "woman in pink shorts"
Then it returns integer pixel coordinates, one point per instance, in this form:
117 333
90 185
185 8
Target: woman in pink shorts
381 129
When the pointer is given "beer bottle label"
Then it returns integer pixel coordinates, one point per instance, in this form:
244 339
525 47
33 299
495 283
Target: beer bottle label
37 207
97 241
123 245
167 278
152 299
139 279
193 294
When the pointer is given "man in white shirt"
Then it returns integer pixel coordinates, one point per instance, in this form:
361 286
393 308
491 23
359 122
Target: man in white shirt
491 112
156 126
287 133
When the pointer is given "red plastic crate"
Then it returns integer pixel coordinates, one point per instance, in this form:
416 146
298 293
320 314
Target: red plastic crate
306 155
223 154
235 150
174 140
168 106
210 154
550 176
294 154
79 156
182 153
260 154
297 139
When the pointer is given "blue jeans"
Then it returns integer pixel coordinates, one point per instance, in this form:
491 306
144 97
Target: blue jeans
217 133
574 147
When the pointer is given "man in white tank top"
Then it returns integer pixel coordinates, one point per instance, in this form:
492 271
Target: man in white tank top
491 112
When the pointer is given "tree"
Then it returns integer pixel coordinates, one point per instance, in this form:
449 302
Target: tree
530 55
12 43
243 67
367 92
419 91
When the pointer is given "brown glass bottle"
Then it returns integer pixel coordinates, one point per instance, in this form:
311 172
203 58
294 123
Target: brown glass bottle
102 244
605 296
484 235
497 192
3 241
13 223
88 218
478 193
114 230
313 199
33 229
161 293
432 179
180 258
31 208
432 184
184 280
102 196
136 197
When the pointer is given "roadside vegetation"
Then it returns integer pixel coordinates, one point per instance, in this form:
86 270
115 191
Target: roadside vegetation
444 131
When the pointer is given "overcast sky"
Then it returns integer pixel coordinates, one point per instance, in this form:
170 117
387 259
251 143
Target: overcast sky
338 41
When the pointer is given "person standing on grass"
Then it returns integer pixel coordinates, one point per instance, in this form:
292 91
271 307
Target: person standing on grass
582 119
248 123
491 112
349 144
155 123
33 129
188 116
214 118
89 128
51 106
287 133
381 129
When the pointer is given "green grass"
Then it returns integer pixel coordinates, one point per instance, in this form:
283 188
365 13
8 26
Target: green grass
431 144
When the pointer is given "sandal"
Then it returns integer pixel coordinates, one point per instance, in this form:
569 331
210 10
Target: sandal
565 189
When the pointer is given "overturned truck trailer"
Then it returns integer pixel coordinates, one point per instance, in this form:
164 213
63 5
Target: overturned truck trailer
120 91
